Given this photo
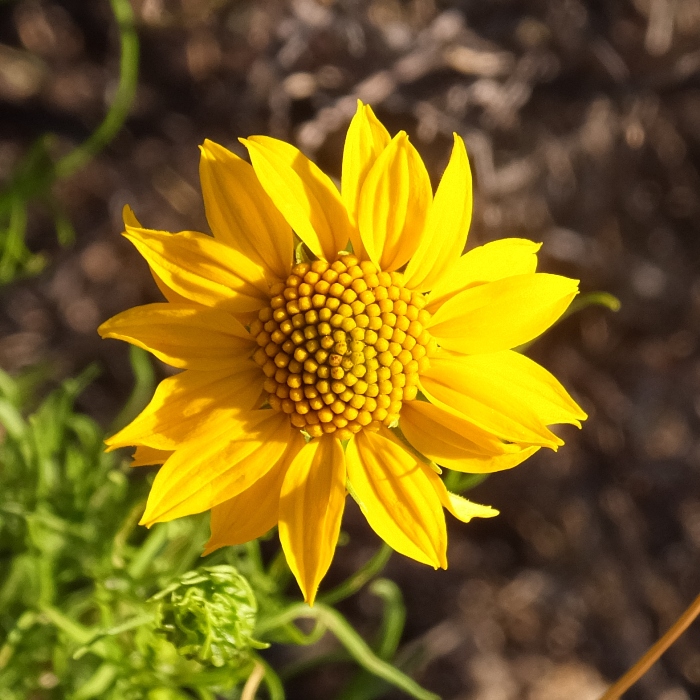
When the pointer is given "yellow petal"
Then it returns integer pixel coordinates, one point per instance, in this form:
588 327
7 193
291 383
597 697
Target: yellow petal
445 438
129 217
254 511
486 263
452 383
172 296
130 220
394 203
189 337
306 197
447 225
219 461
241 214
525 384
203 270
503 314
393 490
185 401
460 507
147 456
365 140
311 508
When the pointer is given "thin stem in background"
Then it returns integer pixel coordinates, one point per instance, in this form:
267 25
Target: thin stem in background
355 582
119 109
332 620
654 653
272 681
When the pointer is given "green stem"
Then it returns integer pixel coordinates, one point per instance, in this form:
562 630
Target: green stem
363 686
355 582
144 381
272 681
457 482
13 240
119 109
394 617
353 643
581 302
592 299
77 632
296 668
28 619
144 557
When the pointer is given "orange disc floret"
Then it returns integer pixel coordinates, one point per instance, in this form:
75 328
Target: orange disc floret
339 347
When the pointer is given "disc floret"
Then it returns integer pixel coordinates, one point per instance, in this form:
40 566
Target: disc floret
341 346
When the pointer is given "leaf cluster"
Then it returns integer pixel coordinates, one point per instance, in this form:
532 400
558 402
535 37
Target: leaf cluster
92 606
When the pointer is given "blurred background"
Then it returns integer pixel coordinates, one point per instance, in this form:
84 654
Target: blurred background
582 121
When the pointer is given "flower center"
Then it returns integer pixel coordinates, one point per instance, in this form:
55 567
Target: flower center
341 345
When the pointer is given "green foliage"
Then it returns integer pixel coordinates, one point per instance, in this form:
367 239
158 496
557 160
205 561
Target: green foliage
209 615
90 605
31 180
35 174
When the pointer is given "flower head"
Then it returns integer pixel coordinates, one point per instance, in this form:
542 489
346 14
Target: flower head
336 342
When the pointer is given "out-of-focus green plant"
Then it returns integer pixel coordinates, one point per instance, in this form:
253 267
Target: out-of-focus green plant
77 577
210 615
36 173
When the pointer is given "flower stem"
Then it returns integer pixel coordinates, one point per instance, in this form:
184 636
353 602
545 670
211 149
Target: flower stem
126 91
354 644
353 584
654 653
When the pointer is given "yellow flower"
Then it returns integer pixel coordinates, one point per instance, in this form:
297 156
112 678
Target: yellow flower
352 372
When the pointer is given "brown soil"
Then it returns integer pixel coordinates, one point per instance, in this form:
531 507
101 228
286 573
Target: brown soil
582 120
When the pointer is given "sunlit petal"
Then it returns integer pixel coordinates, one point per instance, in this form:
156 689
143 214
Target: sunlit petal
185 401
486 263
519 381
311 508
240 212
254 511
364 142
203 270
147 456
224 458
452 383
393 490
394 203
447 224
444 437
130 220
188 337
306 197
460 507
503 314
